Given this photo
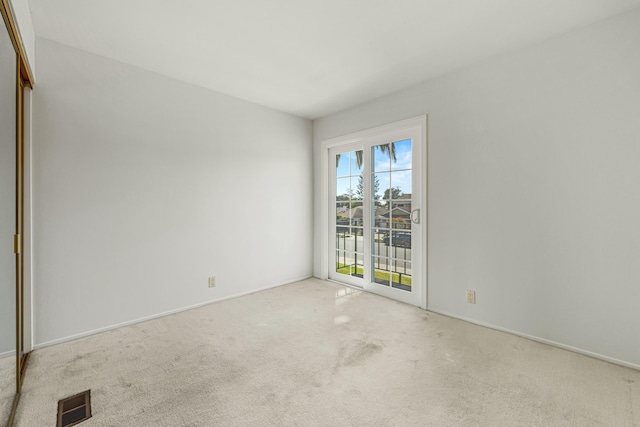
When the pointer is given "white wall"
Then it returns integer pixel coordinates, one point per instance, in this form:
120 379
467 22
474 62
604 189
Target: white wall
144 186
22 15
534 173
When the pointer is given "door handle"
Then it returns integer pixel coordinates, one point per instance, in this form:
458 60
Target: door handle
415 216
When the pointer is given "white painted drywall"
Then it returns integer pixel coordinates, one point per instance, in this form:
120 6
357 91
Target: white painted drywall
22 16
144 186
309 58
534 173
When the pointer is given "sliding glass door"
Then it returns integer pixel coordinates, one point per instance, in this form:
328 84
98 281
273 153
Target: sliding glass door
376 236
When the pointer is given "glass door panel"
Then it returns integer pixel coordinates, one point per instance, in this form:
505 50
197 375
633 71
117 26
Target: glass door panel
349 218
391 209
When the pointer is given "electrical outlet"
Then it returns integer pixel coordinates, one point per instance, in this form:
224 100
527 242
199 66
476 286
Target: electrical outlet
212 281
471 297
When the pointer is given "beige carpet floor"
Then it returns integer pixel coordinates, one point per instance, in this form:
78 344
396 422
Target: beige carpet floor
7 386
315 353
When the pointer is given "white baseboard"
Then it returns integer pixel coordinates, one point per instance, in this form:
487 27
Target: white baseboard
166 313
8 353
540 340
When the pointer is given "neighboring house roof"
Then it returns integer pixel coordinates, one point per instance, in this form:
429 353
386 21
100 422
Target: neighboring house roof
381 212
397 211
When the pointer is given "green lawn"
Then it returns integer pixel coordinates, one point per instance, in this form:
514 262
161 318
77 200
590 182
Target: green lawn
381 275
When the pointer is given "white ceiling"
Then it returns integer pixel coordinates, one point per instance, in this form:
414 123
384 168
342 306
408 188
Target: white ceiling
304 57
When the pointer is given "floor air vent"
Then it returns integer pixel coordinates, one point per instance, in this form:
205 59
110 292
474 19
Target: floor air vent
74 410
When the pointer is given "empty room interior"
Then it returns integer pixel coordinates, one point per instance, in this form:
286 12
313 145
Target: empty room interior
337 213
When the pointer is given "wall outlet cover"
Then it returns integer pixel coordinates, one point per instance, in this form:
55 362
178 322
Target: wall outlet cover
471 297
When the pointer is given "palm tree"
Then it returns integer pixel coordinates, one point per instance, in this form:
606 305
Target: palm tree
389 149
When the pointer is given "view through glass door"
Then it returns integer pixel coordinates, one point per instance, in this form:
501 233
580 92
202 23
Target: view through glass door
376 235
392 215
349 216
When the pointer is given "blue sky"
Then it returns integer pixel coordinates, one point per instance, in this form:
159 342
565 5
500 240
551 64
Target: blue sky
388 173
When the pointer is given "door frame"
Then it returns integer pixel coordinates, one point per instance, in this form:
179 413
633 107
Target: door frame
419 124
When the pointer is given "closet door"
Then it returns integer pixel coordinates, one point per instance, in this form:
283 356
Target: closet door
8 212
15 74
